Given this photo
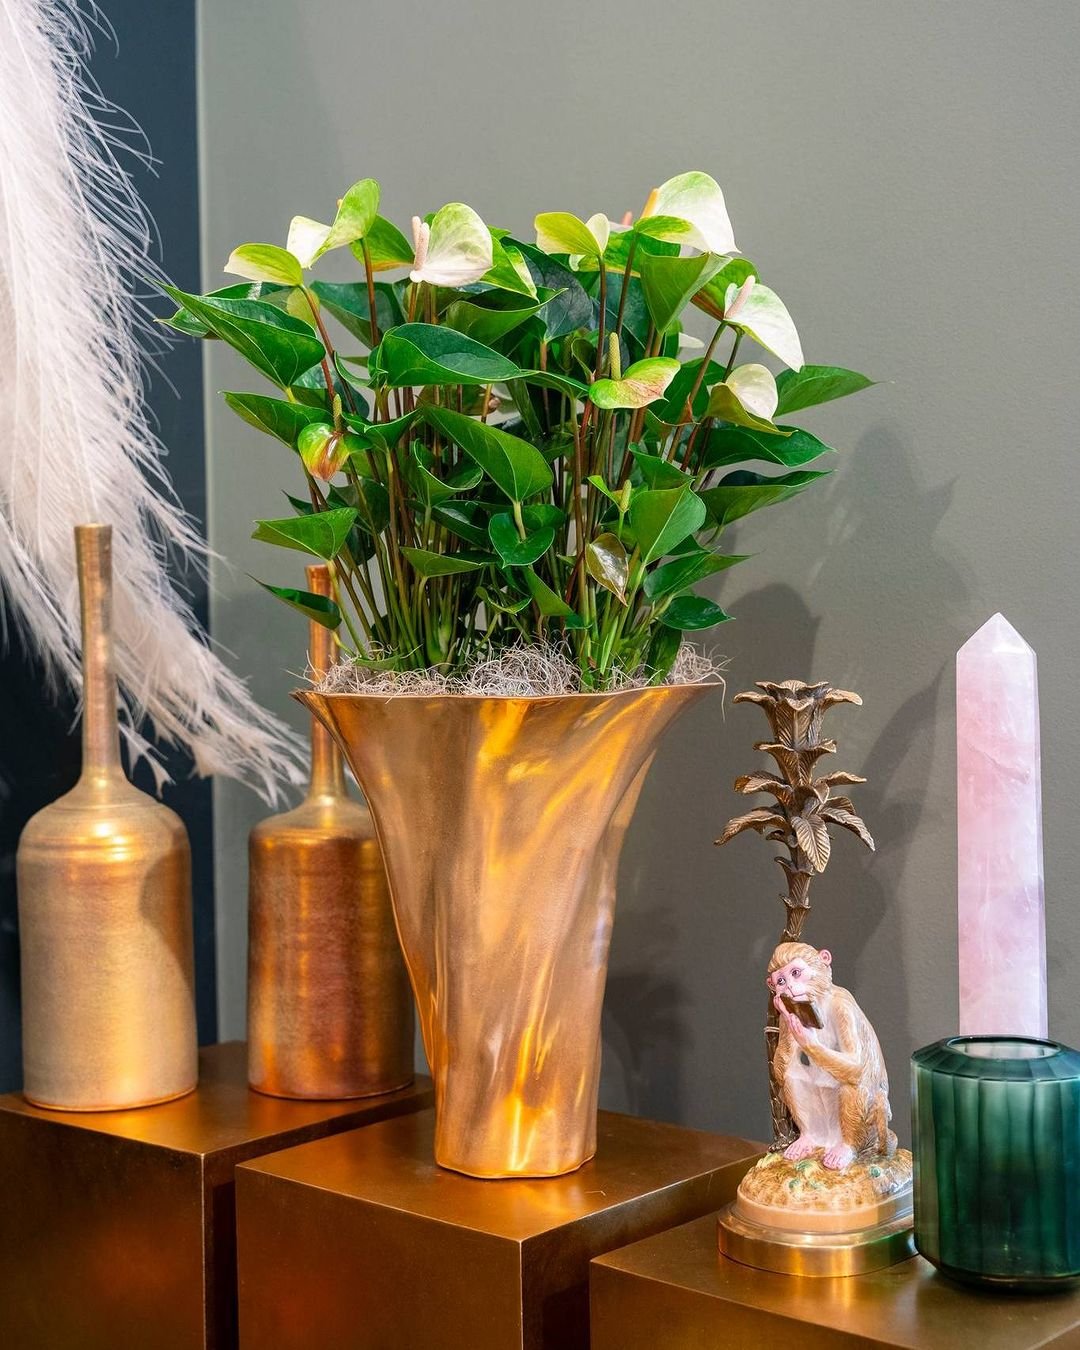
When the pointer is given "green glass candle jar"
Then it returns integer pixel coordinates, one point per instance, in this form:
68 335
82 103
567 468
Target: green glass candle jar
996 1140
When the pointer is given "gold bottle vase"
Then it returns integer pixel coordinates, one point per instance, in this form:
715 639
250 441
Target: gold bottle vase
105 928
501 822
329 1009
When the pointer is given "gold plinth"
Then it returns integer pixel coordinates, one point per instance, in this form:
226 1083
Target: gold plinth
360 1242
676 1292
117 1229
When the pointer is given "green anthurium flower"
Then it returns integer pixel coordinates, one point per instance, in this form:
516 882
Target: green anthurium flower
640 384
310 239
454 250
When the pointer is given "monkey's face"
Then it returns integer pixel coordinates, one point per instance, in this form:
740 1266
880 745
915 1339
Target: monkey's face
799 980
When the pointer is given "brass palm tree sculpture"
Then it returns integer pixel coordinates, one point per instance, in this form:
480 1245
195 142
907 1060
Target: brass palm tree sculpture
805 809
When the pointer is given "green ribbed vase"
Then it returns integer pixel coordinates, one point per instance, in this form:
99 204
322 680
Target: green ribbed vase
996 1140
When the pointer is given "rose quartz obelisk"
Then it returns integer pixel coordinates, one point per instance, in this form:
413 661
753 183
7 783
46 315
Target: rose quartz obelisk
999 835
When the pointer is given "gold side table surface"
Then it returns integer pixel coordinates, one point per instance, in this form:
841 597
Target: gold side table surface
676 1292
117 1228
360 1242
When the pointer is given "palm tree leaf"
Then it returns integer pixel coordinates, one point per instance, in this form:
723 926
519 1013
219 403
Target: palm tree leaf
848 820
762 782
760 820
814 841
840 779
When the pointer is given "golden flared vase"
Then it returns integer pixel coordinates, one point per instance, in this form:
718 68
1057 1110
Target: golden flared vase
105 926
329 1009
501 821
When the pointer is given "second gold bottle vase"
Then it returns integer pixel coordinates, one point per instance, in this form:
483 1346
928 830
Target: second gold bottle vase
330 1013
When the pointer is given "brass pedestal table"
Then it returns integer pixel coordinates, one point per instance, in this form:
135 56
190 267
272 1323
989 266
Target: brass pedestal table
676 1292
361 1242
117 1228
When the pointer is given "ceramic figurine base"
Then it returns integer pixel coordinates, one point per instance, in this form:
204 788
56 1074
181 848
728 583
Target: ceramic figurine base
117 1229
800 1218
360 1242
674 1292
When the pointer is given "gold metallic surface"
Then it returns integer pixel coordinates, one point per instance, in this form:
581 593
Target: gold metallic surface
104 881
329 1009
675 1292
117 1231
816 1254
362 1243
501 821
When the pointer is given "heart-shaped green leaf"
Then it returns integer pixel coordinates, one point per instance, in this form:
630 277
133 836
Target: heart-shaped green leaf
466 519
662 519
735 445
642 383
551 605
508 270
511 548
429 354
322 534
812 385
265 262
279 346
657 472
489 316
386 246
430 564
731 501
318 608
348 303
690 613
274 415
672 577
669 284
570 308
517 467
607 564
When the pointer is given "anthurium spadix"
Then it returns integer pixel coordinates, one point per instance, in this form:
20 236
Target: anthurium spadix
455 249
689 209
759 312
310 239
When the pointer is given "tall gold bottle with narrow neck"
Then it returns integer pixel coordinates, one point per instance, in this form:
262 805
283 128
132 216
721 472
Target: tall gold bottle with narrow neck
330 1011
105 932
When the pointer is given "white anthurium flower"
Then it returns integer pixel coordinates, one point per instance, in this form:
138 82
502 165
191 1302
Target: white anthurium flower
755 388
306 239
760 312
687 342
454 250
689 209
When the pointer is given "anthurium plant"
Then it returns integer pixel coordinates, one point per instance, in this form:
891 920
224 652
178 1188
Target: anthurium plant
505 440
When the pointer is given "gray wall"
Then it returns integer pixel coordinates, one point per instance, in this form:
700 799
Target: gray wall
906 176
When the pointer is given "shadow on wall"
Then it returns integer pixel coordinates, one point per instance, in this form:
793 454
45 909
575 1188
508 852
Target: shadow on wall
686 999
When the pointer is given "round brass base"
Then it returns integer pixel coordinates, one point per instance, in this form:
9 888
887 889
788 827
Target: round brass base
814 1254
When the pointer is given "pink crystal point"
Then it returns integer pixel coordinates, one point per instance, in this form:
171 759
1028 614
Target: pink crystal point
999 835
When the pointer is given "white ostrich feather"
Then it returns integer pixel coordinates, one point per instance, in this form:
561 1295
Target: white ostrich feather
76 443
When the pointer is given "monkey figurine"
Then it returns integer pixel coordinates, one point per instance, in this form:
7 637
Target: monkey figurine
831 1075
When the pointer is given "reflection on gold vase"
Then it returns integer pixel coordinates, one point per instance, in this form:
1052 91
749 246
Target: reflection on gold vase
104 880
329 1009
501 821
